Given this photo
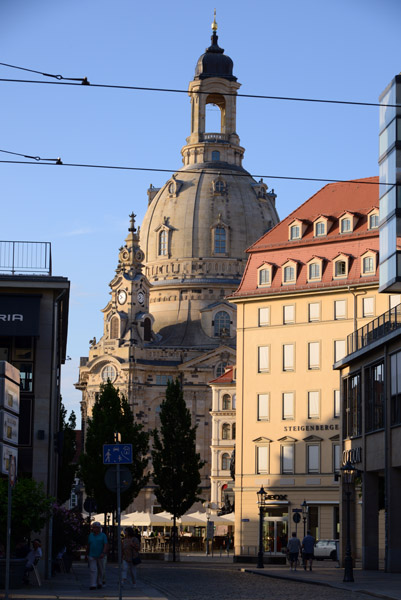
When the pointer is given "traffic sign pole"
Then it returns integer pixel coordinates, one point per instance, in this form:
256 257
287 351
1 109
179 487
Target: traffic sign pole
119 529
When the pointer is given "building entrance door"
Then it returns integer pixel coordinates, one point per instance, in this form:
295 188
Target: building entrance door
275 534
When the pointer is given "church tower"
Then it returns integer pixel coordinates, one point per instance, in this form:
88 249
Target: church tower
199 224
168 316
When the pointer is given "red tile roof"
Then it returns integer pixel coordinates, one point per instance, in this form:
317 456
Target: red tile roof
359 197
226 377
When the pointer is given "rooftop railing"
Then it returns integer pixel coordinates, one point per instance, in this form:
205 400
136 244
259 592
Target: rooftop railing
25 258
376 329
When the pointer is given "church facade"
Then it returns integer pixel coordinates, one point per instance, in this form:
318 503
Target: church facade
168 316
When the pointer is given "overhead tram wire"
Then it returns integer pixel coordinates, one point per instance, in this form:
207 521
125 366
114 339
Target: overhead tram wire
194 171
84 81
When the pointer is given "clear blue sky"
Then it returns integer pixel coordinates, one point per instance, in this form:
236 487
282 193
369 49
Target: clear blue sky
345 50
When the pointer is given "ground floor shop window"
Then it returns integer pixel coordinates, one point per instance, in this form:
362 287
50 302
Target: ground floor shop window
313 521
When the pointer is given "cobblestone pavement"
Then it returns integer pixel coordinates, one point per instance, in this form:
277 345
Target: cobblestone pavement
207 582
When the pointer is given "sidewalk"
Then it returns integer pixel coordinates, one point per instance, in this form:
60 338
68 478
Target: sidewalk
75 586
374 583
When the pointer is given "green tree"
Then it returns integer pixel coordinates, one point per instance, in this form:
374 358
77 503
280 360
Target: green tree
67 450
111 414
176 464
30 509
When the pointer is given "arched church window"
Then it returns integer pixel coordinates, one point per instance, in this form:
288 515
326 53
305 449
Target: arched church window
215 155
225 431
147 329
222 323
114 328
220 239
219 186
226 402
225 462
163 243
109 373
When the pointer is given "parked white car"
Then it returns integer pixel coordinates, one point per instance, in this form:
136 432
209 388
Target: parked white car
326 549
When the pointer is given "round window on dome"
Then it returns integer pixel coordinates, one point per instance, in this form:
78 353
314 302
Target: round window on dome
109 373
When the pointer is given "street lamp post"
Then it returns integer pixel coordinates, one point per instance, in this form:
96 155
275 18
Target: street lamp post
208 512
348 474
261 503
304 507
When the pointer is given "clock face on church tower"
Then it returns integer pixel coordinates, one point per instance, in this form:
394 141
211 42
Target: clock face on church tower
122 296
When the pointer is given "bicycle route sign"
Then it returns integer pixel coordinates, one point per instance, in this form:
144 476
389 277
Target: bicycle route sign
117 454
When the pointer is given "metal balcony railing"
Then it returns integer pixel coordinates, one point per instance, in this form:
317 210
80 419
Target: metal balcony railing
376 329
22 258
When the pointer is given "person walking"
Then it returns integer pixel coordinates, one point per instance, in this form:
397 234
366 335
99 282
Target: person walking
293 547
308 545
130 554
96 550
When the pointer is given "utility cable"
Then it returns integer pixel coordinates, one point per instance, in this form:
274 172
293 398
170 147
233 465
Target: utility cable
84 81
194 171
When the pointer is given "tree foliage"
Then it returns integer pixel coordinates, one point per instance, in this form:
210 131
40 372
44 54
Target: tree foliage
68 447
30 509
176 464
111 414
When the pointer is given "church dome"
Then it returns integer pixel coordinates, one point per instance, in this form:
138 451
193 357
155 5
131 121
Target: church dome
199 224
214 63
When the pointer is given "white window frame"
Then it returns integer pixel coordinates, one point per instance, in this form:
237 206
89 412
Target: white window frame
262 459
317 308
287 459
314 404
262 280
344 229
340 313
368 306
336 458
368 265
340 349
374 216
289 269
295 232
288 406
337 404
263 359
313 458
263 407
288 314
336 266
288 357
313 359
264 316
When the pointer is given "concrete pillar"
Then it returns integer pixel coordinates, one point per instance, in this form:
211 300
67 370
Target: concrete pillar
394 521
370 521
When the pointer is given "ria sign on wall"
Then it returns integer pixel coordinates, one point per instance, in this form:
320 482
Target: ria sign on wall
19 315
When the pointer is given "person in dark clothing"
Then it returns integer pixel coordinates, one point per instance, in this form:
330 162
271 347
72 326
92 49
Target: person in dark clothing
308 545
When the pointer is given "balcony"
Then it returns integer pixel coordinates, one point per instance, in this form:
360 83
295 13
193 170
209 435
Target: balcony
376 329
214 137
25 258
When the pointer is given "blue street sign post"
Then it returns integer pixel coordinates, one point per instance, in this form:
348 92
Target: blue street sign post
118 454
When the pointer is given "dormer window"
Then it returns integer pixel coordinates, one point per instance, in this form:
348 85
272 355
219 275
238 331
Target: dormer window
373 218
174 187
265 275
369 263
314 271
345 225
341 266
222 323
295 232
289 274
320 228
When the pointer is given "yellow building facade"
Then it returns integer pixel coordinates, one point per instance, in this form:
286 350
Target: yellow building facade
308 284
